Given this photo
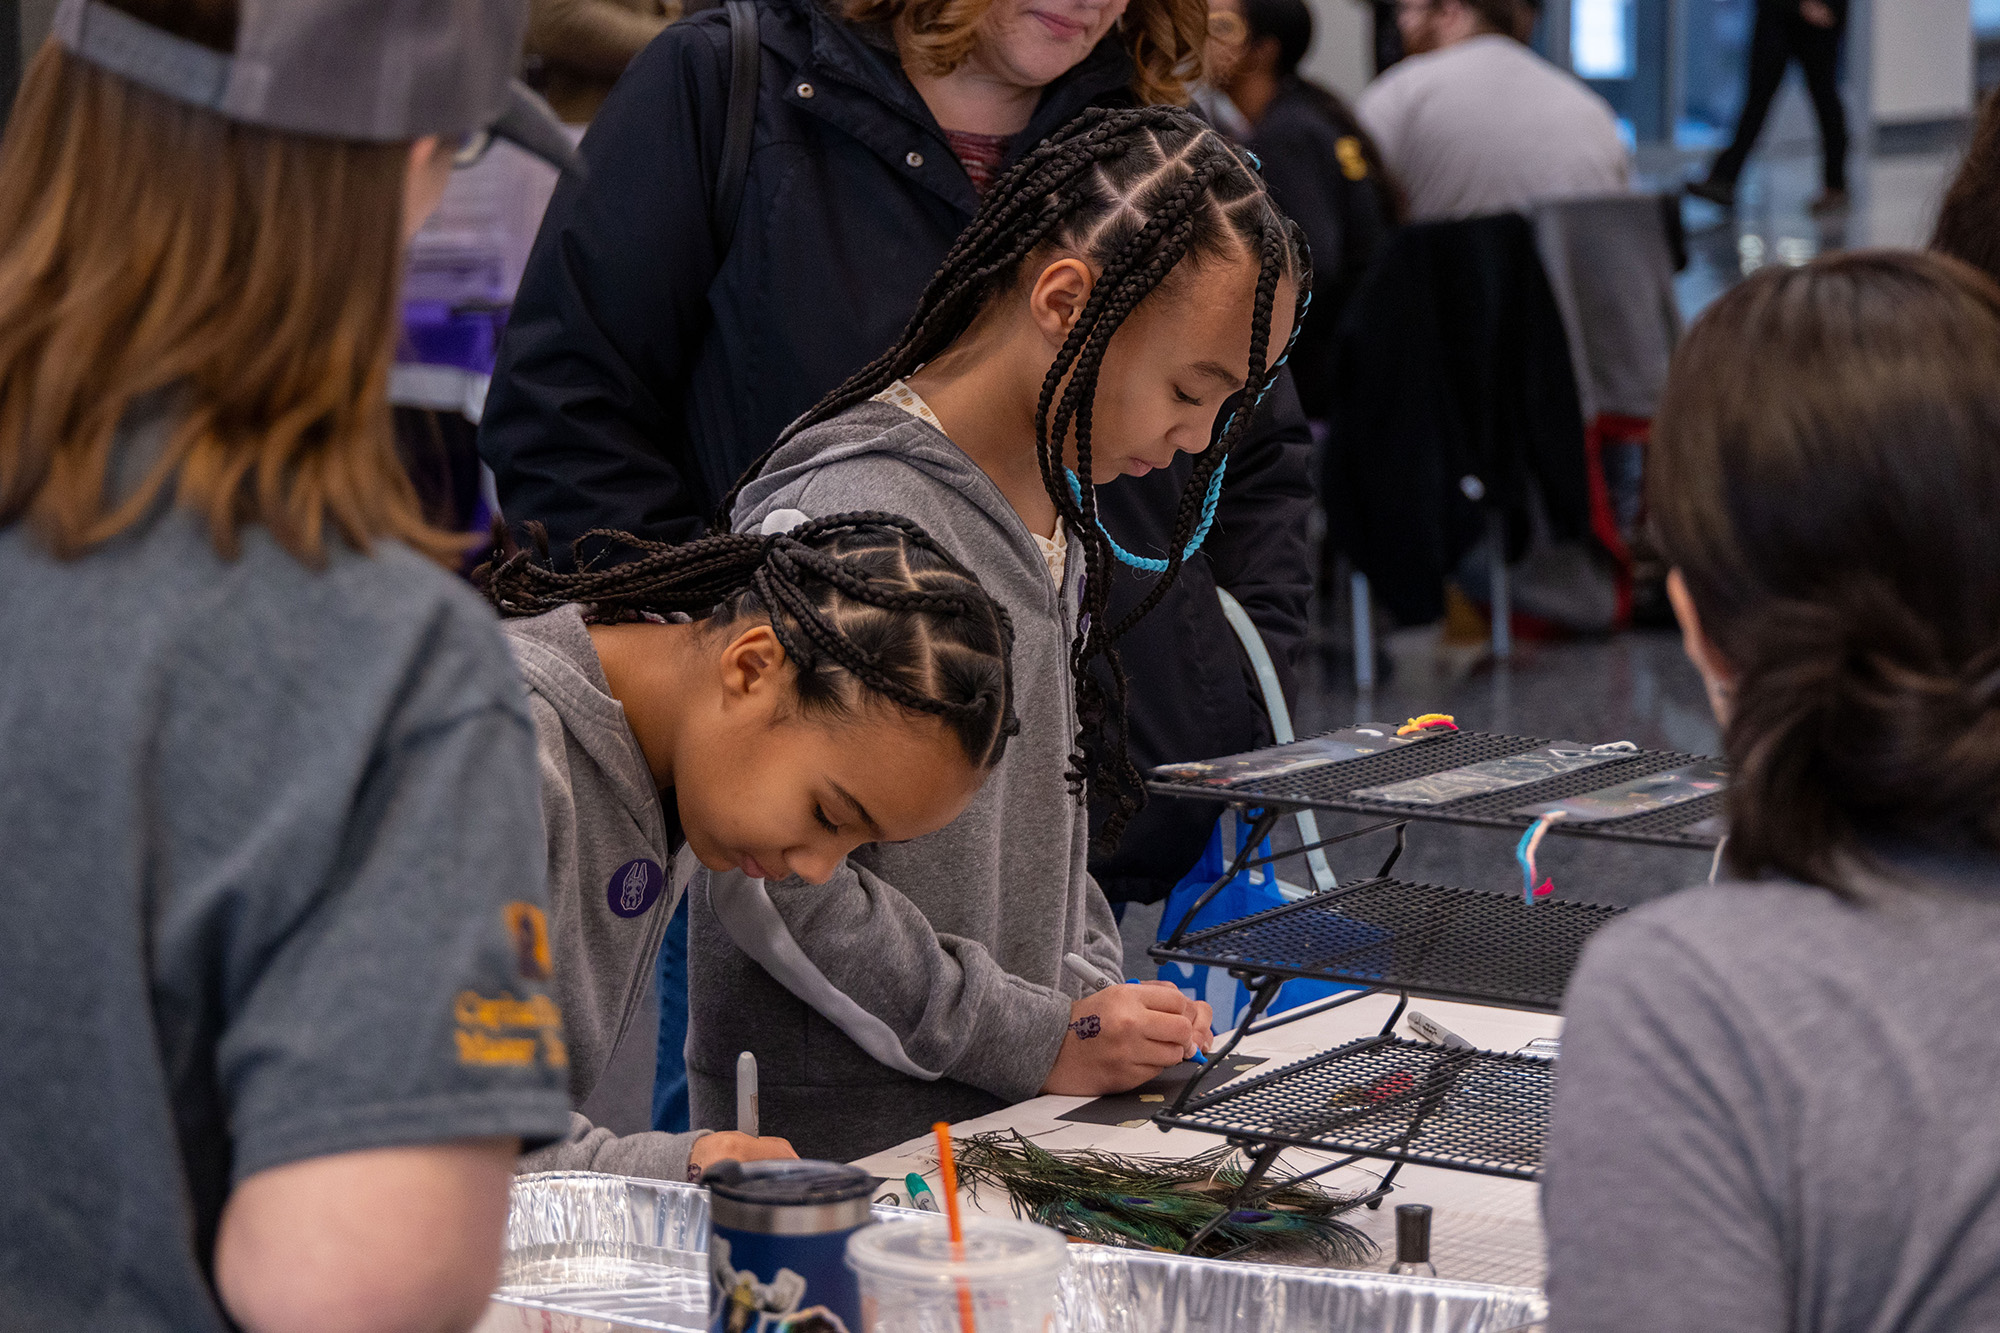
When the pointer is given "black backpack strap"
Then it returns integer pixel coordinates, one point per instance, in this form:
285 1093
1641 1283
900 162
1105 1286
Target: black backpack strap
745 70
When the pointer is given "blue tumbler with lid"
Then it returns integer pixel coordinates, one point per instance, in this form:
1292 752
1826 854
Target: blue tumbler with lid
777 1241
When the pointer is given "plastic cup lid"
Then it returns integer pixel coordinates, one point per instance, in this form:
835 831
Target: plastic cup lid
919 1252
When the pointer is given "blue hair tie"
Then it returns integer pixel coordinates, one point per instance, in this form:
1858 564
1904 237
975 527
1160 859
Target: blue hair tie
1209 501
1146 563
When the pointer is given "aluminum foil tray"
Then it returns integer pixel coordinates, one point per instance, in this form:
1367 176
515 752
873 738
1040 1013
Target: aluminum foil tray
590 1253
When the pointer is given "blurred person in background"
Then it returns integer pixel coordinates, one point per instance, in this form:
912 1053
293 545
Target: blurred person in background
1322 167
655 351
1809 32
1473 122
273 874
577 48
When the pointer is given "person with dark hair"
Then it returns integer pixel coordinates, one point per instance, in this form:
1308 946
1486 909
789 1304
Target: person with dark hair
266 783
1809 32
1321 166
1775 1102
655 350
1968 222
1121 284
1473 122
845 682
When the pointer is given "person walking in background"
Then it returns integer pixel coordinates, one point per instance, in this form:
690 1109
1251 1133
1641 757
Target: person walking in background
655 351
1320 164
1473 122
577 48
1807 31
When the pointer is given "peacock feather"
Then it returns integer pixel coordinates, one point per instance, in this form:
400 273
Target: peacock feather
1159 1203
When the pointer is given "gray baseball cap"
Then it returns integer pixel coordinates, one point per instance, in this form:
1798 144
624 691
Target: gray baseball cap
374 70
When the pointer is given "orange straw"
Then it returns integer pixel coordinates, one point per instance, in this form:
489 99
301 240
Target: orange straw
949 1170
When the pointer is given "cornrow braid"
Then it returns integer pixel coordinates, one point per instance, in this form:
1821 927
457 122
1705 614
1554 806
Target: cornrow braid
1135 192
859 601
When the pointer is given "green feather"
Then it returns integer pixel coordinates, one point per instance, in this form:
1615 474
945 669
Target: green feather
1160 1203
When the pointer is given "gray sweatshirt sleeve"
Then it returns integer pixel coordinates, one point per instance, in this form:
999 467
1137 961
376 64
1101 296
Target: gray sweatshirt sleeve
1662 1152
654 1155
1102 944
926 1004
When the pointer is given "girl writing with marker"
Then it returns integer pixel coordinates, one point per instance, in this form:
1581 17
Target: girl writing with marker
1124 288
847 683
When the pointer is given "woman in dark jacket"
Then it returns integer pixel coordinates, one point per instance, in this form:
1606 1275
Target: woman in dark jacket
651 355
1322 167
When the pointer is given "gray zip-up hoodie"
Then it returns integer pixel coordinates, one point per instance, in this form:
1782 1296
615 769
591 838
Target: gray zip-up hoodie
924 981
614 880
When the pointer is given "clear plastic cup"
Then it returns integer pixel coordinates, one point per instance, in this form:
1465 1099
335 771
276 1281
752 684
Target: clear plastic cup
910 1283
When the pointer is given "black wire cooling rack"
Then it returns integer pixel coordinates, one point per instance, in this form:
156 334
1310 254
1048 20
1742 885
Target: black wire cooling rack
1424 939
1333 787
1400 1100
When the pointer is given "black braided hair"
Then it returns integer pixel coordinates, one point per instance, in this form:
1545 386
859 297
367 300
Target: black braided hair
1134 192
861 600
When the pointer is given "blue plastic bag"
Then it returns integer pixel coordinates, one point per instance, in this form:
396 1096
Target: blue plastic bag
1253 890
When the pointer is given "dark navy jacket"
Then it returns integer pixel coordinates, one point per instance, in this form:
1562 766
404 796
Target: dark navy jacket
642 371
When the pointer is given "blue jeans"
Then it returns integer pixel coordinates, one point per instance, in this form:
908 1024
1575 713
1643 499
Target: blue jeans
670 1076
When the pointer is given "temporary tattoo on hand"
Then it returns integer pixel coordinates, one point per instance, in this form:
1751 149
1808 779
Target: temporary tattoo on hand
1090 1025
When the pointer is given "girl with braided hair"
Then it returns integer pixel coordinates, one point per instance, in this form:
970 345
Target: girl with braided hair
846 682
1125 295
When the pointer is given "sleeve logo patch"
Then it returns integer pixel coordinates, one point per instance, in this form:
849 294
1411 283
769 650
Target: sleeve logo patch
528 928
501 1030
635 887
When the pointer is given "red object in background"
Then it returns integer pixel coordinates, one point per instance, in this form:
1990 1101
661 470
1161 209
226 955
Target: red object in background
1612 428
1396 1083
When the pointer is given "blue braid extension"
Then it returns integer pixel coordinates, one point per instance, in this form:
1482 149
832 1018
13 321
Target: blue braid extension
1208 503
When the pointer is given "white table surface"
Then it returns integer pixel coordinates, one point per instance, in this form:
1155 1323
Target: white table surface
1483 1228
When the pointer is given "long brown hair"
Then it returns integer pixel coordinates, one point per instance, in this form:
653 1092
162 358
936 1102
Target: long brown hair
1968 224
1165 38
148 247
1825 462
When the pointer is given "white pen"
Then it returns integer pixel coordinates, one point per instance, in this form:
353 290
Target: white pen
1082 969
746 1094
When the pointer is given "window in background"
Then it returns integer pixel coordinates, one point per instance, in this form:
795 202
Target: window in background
1601 40
1986 43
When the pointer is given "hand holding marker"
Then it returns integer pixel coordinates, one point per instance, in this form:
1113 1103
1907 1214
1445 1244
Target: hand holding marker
1082 969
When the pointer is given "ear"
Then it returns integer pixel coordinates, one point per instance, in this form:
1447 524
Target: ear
752 669
1716 672
1056 300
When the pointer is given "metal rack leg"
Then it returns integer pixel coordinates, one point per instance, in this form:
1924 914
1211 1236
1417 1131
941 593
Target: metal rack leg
1381 1191
1267 991
1259 831
1259 1164
1396 852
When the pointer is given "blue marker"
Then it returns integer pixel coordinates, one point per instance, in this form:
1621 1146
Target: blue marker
1082 969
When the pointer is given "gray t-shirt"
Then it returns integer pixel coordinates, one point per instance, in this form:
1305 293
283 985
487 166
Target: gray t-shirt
273 890
1487 126
1777 1111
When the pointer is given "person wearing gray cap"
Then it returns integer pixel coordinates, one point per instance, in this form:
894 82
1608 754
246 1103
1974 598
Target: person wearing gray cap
274 939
